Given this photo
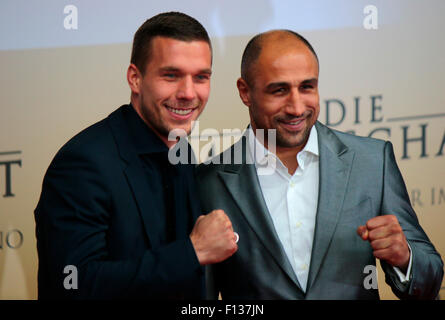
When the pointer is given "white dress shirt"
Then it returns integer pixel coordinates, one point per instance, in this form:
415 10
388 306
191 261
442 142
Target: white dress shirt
292 201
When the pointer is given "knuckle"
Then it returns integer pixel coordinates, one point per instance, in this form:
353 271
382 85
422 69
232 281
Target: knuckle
222 216
394 229
369 224
399 244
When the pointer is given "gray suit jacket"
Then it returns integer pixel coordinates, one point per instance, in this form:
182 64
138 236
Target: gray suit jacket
359 179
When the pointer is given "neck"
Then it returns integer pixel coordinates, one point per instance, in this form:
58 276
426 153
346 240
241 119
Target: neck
137 108
288 157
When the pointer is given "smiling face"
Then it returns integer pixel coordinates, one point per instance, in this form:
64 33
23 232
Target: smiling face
175 86
283 93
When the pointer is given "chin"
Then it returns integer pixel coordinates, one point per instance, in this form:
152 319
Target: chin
291 141
186 128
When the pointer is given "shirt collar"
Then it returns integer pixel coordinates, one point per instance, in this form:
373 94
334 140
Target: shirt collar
312 143
310 150
259 153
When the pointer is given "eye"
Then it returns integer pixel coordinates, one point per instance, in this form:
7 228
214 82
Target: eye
203 77
169 75
307 87
280 90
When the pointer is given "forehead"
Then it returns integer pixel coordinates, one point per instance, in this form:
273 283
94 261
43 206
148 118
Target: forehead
290 61
177 53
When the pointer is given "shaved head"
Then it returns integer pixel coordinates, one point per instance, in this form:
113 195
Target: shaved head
280 39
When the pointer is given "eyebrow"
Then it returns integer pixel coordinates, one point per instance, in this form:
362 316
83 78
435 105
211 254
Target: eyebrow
312 80
174 69
274 85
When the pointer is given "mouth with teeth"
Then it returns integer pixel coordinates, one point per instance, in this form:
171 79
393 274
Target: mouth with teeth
294 125
181 113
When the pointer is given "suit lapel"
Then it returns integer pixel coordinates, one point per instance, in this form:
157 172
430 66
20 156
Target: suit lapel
335 165
148 207
241 181
187 191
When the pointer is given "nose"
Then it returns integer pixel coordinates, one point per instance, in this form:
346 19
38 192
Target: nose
186 89
295 104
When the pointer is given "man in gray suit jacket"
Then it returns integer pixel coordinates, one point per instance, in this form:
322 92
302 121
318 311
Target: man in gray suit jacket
313 207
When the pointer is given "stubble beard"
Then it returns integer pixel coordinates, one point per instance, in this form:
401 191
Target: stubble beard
154 119
289 140
286 139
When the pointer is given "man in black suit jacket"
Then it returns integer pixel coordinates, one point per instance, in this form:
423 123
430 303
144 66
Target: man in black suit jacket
115 218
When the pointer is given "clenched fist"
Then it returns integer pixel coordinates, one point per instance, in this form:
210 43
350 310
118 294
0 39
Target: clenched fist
387 240
213 238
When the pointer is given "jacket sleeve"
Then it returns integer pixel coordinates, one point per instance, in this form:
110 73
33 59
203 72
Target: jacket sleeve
72 228
427 266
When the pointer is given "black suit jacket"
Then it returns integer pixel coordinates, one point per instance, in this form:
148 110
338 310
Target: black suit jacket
98 212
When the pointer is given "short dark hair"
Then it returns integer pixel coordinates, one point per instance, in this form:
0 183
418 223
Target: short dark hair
253 50
175 25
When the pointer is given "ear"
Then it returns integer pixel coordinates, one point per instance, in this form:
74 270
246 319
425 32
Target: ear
244 91
134 78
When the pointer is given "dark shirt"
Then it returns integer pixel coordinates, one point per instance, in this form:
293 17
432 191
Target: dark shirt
168 182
